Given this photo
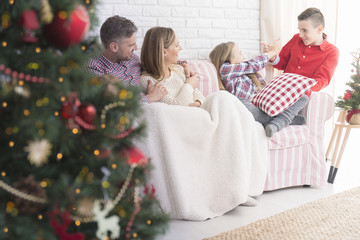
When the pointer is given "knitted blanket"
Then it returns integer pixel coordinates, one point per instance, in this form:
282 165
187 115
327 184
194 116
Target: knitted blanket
206 160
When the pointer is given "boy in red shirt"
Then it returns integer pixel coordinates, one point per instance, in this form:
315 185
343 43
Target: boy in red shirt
308 53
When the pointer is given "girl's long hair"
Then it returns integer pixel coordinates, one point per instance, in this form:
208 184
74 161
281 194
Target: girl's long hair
221 54
152 52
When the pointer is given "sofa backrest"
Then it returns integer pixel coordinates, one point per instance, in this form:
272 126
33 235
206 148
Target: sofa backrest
208 76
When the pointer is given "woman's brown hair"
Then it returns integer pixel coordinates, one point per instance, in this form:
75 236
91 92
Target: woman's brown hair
152 58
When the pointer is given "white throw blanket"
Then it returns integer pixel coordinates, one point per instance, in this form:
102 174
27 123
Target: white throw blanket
206 160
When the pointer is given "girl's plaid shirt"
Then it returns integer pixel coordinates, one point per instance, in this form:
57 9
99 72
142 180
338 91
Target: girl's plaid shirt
235 80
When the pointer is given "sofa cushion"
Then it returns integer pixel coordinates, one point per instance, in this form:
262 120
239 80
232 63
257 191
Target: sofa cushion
290 136
208 76
282 92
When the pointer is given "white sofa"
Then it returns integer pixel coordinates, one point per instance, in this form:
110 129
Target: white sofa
294 156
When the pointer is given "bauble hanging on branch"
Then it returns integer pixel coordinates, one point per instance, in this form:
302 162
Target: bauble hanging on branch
29 23
134 155
83 114
46 14
66 31
87 112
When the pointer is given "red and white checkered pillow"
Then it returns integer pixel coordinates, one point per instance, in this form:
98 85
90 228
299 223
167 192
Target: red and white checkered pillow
282 92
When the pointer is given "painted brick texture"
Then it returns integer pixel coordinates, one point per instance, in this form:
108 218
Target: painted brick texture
199 24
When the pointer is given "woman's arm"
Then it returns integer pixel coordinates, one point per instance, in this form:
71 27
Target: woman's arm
198 96
184 96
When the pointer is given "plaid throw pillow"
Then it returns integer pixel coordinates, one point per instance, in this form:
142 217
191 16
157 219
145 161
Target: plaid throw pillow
282 92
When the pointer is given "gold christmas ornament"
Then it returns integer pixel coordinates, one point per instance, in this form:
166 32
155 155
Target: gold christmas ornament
39 151
5 20
46 15
84 207
123 94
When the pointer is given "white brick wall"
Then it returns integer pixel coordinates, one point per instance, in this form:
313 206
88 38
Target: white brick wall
199 24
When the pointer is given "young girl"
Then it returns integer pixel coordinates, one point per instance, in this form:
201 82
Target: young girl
240 78
159 57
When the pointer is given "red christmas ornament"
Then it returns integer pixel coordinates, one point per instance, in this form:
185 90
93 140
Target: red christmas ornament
30 23
347 95
146 191
82 113
64 32
70 108
61 229
87 112
134 155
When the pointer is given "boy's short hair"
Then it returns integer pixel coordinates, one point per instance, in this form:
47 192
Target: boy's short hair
313 14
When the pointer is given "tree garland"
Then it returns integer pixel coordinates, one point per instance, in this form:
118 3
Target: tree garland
10 74
20 194
35 199
118 197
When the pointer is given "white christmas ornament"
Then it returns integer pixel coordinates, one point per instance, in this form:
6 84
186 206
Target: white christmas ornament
39 151
106 225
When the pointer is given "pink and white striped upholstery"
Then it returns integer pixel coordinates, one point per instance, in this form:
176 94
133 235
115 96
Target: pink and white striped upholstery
208 76
296 153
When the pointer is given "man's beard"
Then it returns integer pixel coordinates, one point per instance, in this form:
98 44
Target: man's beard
126 58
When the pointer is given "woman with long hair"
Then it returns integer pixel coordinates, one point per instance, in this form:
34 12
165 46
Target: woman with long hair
159 58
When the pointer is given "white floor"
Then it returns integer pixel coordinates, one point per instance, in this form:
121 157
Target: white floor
274 202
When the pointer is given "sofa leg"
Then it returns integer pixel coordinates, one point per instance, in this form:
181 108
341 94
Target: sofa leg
330 174
332 179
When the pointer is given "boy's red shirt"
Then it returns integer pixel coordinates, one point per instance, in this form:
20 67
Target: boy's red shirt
318 62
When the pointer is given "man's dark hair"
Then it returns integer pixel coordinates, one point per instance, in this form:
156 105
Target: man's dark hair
314 15
115 29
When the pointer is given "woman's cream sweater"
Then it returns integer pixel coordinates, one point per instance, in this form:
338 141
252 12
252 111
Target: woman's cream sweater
179 92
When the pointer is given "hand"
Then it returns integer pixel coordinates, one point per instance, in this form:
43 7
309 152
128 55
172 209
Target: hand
272 49
266 47
275 45
195 104
188 71
155 91
194 80
271 46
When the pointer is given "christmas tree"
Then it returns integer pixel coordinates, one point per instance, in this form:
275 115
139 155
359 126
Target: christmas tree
68 167
351 99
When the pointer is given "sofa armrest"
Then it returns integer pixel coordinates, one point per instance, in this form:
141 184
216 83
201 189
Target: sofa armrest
320 108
